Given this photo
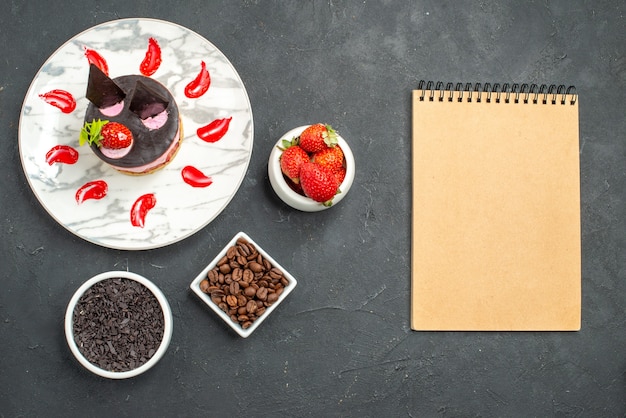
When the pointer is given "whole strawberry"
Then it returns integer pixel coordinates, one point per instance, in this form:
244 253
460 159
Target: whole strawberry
319 183
292 159
114 135
331 157
317 137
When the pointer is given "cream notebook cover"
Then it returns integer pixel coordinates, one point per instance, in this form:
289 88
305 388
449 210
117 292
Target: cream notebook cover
496 240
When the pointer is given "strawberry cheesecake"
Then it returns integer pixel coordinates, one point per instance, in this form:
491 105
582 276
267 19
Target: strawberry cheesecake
131 123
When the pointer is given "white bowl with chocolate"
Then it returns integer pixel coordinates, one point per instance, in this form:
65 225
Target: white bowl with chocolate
291 191
118 324
243 285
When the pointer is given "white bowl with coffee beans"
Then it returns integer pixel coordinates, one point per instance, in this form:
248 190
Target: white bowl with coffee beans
243 284
311 168
118 324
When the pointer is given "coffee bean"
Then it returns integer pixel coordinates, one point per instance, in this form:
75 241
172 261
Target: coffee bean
267 265
261 294
243 248
255 267
251 307
204 285
248 276
234 288
212 289
213 276
275 273
231 300
249 291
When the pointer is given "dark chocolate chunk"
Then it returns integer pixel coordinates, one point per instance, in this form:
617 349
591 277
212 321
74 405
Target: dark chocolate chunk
146 102
101 90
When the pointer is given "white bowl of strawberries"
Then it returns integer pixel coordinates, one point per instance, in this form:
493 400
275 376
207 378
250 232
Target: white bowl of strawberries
311 168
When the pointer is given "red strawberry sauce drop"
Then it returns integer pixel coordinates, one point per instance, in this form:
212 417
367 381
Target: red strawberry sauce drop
152 59
196 178
200 84
140 208
61 154
60 99
96 59
92 190
215 130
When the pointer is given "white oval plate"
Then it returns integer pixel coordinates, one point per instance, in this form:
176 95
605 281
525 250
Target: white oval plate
181 210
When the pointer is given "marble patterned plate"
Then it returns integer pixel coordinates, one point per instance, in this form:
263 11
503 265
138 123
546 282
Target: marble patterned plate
181 209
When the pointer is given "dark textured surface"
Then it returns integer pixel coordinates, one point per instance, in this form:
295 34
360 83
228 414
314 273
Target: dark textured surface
341 344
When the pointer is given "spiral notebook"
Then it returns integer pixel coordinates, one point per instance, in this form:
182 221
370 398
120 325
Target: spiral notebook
496 242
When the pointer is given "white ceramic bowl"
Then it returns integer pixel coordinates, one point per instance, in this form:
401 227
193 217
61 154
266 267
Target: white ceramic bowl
206 298
290 197
167 321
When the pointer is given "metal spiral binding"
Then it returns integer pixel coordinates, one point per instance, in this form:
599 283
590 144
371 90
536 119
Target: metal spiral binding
505 93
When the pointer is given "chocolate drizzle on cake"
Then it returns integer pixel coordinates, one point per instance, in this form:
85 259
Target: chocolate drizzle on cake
101 90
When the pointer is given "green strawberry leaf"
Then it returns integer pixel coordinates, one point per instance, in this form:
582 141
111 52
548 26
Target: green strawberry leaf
90 132
285 143
330 136
329 203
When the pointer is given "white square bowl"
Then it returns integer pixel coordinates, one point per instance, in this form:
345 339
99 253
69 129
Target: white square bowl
206 298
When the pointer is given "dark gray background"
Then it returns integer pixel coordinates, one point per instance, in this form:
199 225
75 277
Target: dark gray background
341 344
